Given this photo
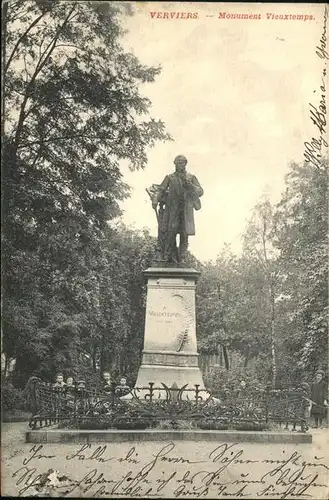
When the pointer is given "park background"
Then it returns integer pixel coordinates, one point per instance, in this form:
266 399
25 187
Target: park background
81 114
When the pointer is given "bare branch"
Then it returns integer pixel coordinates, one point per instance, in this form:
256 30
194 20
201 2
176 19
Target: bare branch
19 41
72 46
52 44
36 158
38 69
53 139
264 241
29 111
25 69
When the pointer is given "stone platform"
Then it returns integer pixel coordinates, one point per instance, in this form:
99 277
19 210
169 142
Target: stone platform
118 436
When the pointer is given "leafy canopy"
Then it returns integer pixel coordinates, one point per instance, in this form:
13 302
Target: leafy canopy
73 110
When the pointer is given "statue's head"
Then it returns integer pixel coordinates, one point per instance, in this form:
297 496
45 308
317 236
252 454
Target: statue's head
180 163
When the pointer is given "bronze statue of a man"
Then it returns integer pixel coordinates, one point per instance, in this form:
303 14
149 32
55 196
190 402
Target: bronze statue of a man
176 198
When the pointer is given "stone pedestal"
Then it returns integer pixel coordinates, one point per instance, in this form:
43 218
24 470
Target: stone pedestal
170 349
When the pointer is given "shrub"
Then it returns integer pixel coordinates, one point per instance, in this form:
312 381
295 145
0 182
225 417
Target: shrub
249 426
176 424
213 425
131 424
12 399
219 379
95 424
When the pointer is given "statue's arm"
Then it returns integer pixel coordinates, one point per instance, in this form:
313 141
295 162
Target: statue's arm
161 191
164 184
196 186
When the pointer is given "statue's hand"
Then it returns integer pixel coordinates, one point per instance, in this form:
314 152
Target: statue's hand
154 204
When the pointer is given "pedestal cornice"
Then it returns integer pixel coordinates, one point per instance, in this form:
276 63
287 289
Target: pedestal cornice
171 272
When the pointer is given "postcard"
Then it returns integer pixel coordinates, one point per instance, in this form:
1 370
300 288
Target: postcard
165 252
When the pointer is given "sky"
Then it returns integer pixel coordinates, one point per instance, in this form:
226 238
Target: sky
234 94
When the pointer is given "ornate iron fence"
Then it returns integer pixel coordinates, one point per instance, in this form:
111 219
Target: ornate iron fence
151 406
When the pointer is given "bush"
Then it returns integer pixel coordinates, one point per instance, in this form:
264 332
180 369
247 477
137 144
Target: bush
219 379
249 426
95 424
212 424
131 424
13 399
108 422
176 424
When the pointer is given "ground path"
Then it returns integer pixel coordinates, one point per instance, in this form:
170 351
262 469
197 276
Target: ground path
165 470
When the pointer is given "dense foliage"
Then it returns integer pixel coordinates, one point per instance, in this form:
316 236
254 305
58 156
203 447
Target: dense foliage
270 304
302 239
13 399
73 110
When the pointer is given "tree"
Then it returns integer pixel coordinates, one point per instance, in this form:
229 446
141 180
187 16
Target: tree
73 111
212 306
258 247
122 295
275 295
302 238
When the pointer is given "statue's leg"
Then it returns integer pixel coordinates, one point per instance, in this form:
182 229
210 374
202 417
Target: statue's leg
162 230
170 246
183 245
162 240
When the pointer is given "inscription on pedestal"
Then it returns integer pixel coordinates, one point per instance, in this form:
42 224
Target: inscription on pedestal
167 359
164 317
170 320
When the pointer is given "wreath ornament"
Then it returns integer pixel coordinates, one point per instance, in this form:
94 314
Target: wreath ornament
183 337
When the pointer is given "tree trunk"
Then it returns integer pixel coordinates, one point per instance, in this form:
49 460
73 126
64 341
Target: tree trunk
6 366
222 324
3 59
273 346
4 161
94 358
246 359
102 360
226 360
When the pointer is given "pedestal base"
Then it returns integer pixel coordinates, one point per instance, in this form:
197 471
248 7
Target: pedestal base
170 376
170 350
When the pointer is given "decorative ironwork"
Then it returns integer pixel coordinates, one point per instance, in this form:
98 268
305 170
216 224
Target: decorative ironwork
143 407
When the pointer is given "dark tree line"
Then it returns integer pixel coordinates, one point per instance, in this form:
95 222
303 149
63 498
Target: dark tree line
273 304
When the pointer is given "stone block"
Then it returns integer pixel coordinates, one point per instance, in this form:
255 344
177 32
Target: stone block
170 348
